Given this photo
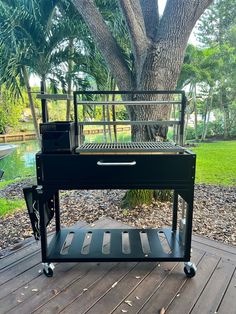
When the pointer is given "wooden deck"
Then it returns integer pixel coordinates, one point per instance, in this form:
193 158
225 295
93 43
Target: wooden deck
120 287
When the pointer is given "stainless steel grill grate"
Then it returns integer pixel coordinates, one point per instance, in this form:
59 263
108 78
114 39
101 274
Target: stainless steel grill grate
129 147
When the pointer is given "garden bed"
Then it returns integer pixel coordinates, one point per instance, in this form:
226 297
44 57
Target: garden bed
214 212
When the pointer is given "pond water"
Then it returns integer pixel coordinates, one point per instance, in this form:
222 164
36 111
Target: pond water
21 163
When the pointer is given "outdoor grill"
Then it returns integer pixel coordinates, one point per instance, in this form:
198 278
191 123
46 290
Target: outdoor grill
114 165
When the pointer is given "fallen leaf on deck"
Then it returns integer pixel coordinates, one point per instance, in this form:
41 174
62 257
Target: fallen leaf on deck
129 302
114 284
162 311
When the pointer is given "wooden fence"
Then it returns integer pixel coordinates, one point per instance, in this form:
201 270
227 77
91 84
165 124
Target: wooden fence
6 138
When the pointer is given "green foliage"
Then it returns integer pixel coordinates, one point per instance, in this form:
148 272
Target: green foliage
10 206
134 198
10 110
163 195
215 23
216 163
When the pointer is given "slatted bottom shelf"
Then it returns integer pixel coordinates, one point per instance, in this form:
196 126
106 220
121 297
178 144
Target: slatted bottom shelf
84 245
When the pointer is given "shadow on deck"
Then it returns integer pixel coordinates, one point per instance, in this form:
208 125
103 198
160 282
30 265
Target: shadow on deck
125 287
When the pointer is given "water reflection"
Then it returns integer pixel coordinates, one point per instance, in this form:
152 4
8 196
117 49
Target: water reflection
21 163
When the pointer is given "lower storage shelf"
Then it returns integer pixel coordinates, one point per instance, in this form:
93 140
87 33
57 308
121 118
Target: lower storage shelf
85 245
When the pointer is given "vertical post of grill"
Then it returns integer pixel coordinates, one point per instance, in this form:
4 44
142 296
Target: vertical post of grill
183 106
44 104
76 118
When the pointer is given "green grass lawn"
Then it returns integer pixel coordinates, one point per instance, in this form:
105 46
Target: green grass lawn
216 163
10 206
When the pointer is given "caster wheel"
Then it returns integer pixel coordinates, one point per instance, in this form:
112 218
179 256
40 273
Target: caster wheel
48 269
48 272
190 270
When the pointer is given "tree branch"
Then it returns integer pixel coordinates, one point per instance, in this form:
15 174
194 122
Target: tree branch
105 42
179 18
134 19
151 16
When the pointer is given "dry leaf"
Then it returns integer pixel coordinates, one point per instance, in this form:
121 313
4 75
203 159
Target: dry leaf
162 311
129 302
54 291
114 284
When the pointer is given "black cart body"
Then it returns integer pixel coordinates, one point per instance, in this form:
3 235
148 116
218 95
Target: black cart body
72 167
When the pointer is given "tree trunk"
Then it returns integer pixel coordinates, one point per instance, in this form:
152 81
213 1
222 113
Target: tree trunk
225 107
69 79
207 114
31 103
158 46
195 112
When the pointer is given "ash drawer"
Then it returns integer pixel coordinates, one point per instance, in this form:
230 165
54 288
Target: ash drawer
124 171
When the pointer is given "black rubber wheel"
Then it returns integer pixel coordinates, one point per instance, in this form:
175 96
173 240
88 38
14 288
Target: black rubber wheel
190 273
48 273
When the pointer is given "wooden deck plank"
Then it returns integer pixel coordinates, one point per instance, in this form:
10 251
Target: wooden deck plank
26 248
18 255
56 303
216 244
144 290
214 291
168 290
87 287
109 284
82 300
16 300
44 292
112 298
192 289
226 252
228 303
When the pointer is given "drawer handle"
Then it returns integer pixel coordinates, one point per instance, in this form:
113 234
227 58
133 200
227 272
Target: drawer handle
130 163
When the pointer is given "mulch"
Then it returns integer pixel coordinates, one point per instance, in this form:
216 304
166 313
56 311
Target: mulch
214 212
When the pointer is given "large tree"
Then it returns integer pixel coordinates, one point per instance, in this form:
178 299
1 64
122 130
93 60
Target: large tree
157 42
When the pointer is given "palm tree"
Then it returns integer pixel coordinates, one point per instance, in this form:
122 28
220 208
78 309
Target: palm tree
35 35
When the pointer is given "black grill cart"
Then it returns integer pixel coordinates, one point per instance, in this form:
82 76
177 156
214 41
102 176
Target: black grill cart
66 162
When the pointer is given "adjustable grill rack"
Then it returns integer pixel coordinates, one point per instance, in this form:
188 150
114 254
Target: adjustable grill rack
139 165
136 147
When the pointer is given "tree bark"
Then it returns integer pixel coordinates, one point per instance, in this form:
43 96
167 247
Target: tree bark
158 47
31 103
